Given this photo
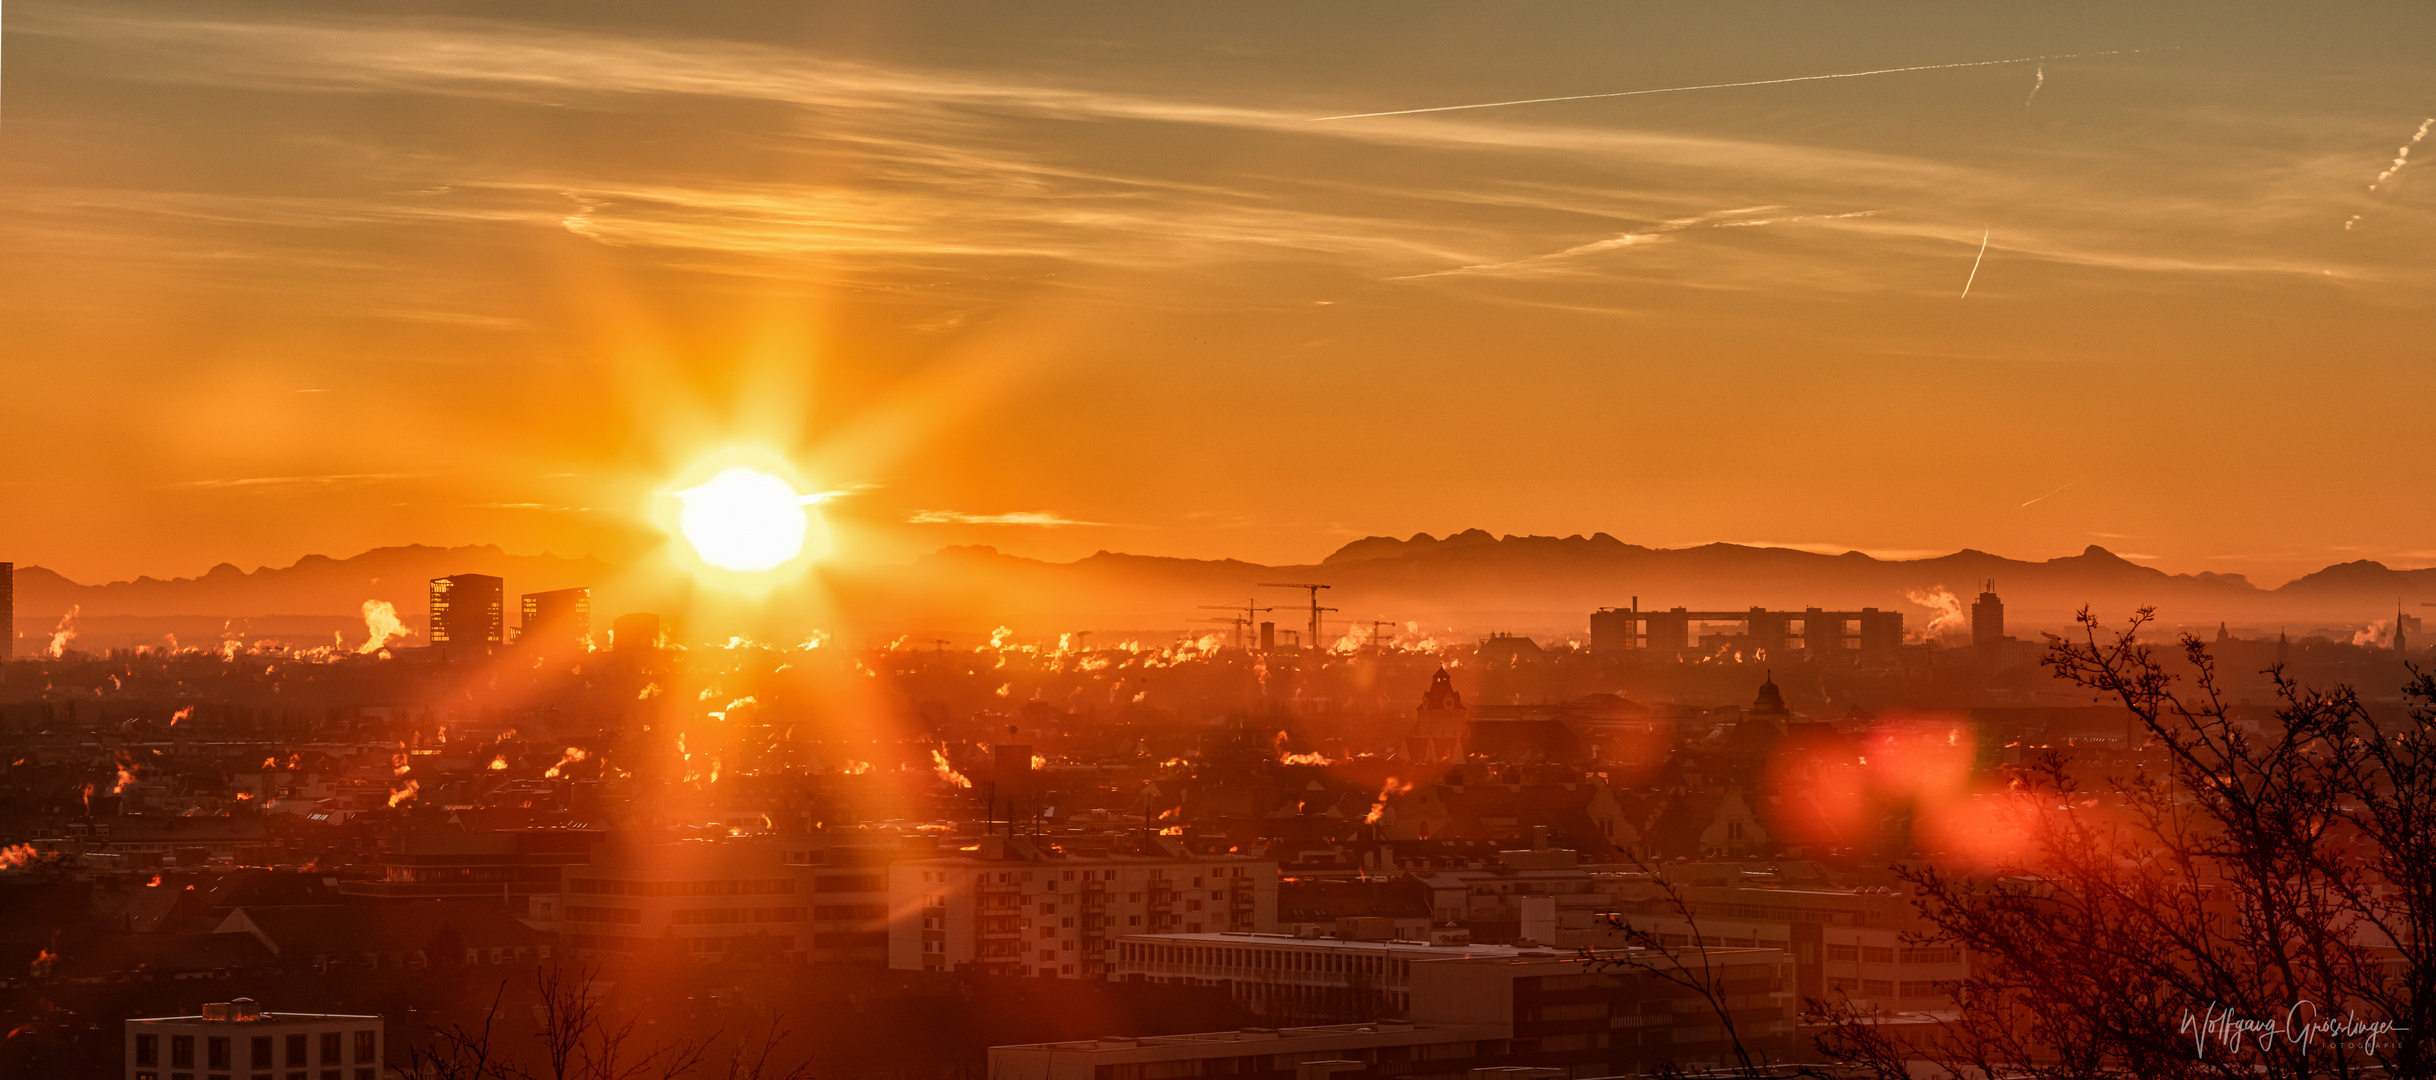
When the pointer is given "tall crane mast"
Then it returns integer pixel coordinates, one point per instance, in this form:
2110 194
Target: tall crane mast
1251 612
1314 641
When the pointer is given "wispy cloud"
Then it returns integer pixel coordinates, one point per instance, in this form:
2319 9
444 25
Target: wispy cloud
1556 261
1038 518
276 483
897 169
1733 85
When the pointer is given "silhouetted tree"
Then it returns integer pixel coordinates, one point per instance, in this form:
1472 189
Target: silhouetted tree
1691 971
582 1038
2279 876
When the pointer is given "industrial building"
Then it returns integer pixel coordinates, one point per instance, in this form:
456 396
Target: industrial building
1865 634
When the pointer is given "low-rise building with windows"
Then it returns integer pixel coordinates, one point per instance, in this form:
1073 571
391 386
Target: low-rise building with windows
1010 908
237 1040
708 898
1624 1012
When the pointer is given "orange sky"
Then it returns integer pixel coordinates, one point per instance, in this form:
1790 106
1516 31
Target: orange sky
276 279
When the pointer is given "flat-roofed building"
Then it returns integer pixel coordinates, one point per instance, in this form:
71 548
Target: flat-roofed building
465 612
1865 945
1868 633
1011 908
1614 1013
236 1039
848 901
517 869
1259 1053
1283 976
559 619
714 898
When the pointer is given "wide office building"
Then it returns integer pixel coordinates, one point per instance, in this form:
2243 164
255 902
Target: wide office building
1870 947
1609 1014
1307 979
711 898
236 1040
1868 634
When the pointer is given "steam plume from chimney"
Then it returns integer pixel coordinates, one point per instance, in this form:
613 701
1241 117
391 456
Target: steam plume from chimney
381 622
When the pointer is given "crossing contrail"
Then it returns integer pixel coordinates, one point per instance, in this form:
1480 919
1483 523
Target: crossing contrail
1966 282
1754 82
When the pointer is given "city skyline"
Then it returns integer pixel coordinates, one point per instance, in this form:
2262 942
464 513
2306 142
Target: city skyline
285 282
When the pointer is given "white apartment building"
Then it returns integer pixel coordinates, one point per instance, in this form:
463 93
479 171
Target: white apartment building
236 1040
1009 908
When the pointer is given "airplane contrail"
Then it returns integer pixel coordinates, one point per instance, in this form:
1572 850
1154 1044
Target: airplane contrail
2056 491
1966 282
1754 82
2042 81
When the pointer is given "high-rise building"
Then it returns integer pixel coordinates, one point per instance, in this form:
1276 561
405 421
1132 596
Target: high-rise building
636 634
556 619
466 612
8 609
1988 621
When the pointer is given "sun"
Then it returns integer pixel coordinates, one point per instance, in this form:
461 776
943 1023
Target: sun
744 520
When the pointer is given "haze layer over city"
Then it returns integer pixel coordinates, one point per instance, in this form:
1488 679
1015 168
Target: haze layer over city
953 541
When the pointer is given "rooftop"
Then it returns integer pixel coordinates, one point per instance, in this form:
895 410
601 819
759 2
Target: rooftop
1268 1038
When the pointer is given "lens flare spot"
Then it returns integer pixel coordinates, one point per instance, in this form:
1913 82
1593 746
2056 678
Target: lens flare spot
744 520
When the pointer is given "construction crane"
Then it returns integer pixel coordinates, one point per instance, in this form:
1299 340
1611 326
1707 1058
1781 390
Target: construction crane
1235 621
1251 612
1375 624
1315 604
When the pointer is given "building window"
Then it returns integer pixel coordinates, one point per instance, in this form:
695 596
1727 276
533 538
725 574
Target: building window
296 1054
147 1049
366 1044
329 1049
181 1051
260 1057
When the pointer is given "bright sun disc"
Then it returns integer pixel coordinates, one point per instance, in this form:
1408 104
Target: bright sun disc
744 520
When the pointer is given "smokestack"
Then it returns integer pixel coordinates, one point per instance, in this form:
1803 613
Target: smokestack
1268 637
